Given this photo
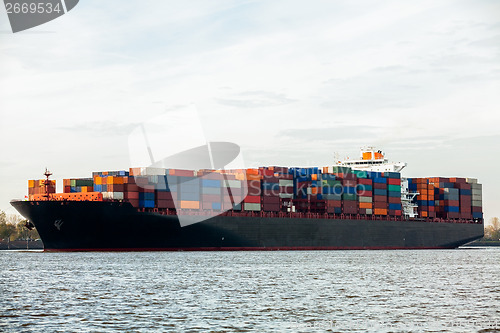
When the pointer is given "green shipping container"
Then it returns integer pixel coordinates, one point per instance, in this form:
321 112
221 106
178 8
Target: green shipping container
394 188
349 197
360 173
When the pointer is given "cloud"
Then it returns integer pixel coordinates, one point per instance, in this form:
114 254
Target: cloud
256 99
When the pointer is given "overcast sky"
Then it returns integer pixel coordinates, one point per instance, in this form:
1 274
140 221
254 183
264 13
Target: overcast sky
291 82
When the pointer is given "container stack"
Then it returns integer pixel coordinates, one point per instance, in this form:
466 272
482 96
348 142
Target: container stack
380 203
393 193
270 190
332 192
448 198
37 186
78 185
252 202
349 195
365 194
477 199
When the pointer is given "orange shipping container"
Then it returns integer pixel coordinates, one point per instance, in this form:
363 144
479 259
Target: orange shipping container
365 205
252 171
253 177
190 204
380 211
31 183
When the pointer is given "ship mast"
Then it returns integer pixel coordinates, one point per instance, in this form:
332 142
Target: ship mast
47 182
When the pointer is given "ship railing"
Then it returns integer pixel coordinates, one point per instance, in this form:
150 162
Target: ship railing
309 215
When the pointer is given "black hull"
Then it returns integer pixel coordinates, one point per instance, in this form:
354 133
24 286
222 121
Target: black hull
113 226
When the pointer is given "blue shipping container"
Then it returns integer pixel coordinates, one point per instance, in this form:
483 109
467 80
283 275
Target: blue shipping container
451 209
189 196
378 191
349 190
146 203
210 183
395 206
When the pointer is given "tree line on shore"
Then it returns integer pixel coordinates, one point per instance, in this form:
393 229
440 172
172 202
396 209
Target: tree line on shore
492 231
12 227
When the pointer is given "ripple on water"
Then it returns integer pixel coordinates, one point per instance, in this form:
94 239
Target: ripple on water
306 291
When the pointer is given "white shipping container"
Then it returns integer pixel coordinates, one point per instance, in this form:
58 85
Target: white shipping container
116 195
477 203
286 182
251 206
149 171
232 183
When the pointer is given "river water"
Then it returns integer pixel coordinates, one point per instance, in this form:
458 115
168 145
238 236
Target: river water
284 291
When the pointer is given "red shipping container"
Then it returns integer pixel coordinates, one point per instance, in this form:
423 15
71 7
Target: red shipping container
268 207
463 186
163 195
252 199
165 204
393 181
365 181
363 193
270 193
334 203
349 183
254 187
131 188
350 176
454 203
395 200
286 189
350 210
266 172
134 202
270 200
379 198
380 186
380 205
131 195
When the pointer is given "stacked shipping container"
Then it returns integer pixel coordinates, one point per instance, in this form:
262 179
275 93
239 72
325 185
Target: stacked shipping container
448 198
337 190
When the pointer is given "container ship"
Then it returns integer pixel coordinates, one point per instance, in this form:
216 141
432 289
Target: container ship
354 204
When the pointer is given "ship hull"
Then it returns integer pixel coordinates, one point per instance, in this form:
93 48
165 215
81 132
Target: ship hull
114 226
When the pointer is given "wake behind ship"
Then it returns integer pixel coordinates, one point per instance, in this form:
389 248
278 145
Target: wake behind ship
356 204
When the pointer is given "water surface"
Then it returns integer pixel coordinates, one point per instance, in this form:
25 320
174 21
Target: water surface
284 291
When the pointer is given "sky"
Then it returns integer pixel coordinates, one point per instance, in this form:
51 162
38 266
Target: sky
291 82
